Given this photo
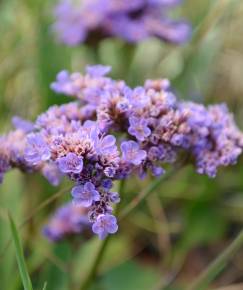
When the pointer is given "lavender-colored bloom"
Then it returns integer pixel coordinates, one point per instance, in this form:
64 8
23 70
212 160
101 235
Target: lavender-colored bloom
139 128
107 184
86 21
104 225
106 145
131 153
157 171
69 26
75 139
97 70
22 124
71 163
36 150
52 173
65 83
85 195
114 197
67 220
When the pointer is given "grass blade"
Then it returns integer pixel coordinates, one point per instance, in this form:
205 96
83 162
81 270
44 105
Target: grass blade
20 256
45 285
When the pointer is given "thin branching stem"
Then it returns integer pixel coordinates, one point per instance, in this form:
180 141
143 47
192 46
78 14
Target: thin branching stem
211 272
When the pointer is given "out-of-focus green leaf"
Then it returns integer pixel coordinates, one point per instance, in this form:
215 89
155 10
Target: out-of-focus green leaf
118 249
20 257
45 285
130 276
203 224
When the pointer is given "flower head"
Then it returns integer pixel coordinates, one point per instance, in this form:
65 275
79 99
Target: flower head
71 163
37 149
104 225
131 153
67 220
89 21
85 195
139 128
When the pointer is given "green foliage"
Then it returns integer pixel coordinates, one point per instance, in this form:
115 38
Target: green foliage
20 257
130 276
197 212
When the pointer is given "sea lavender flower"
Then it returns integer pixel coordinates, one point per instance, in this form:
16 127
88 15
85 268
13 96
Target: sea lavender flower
37 149
131 153
67 220
24 125
104 225
51 172
152 128
85 195
97 70
139 128
71 163
90 21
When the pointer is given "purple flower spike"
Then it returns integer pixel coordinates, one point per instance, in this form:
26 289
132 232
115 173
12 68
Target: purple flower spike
131 153
36 150
139 128
84 195
71 163
104 225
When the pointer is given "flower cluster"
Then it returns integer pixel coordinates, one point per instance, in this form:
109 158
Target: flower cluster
66 221
88 20
151 126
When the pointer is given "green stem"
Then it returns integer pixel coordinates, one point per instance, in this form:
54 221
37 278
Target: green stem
210 273
143 194
32 214
128 52
95 265
100 253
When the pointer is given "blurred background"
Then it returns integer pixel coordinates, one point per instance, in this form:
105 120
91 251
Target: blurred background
179 229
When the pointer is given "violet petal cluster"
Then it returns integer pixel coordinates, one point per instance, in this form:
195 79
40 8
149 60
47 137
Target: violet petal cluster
67 220
112 131
88 21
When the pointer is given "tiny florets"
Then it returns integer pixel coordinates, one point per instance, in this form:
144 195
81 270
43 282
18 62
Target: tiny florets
111 132
134 21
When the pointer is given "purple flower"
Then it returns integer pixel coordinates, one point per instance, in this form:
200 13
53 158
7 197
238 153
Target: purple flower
97 70
104 225
22 124
114 197
131 153
78 21
139 128
65 83
71 163
84 195
52 173
37 150
106 145
107 184
157 171
69 26
67 220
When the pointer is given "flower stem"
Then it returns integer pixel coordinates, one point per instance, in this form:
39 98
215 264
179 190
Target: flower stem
101 251
209 274
95 265
41 206
143 194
